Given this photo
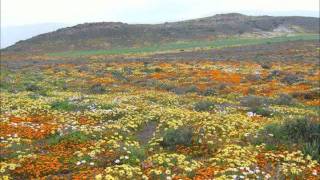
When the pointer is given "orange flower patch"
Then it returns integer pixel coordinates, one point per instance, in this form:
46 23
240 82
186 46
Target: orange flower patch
65 149
295 88
26 131
205 173
32 119
85 121
180 178
261 160
40 166
87 174
315 102
104 80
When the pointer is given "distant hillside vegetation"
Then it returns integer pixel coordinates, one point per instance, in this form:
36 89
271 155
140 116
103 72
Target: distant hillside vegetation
110 35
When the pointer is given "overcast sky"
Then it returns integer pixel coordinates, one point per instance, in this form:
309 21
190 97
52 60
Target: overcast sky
22 12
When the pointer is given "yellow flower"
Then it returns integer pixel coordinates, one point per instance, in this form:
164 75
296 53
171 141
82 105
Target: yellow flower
12 166
168 171
98 177
5 178
109 177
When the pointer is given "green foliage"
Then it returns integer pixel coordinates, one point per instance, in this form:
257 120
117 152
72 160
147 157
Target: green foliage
66 106
53 139
97 89
263 111
152 70
74 137
107 106
189 45
303 130
210 92
291 79
136 154
312 149
254 101
258 105
180 136
32 87
184 90
204 106
298 131
284 99
266 65
119 75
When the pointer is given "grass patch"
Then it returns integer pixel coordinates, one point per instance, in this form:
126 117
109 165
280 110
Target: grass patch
189 45
66 106
74 137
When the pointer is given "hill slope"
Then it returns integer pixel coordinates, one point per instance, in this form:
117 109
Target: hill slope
110 35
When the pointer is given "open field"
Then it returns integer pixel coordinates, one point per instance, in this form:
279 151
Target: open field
249 112
190 45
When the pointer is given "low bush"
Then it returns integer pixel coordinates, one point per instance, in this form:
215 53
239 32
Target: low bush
307 95
266 65
184 90
253 77
266 112
274 74
66 106
312 149
284 99
180 136
256 104
73 137
209 92
97 89
32 87
204 106
254 101
119 75
303 132
291 79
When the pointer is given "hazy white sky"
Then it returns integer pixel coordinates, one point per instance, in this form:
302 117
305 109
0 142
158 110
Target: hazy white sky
21 12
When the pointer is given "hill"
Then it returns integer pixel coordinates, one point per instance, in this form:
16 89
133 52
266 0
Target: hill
113 35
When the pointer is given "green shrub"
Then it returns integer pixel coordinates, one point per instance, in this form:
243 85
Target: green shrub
204 106
307 95
253 77
312 149
97 89
298 131
136 154
256 104
303 130
119 75
291 79
66 106
266 65
32 87
180 136
284 99
53 139
210 92
261 111
74 137
254 101
184 90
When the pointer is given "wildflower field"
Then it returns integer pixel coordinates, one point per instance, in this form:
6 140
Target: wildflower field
250 114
